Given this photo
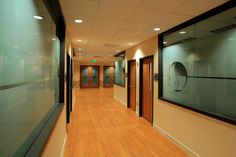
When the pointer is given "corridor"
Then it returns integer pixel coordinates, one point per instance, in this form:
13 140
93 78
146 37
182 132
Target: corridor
102 127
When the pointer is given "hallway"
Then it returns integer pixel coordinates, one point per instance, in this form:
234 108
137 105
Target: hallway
102 127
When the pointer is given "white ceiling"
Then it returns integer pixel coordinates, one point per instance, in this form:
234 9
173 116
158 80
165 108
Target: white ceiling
110 25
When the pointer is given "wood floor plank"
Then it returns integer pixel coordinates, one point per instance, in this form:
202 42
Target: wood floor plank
103 127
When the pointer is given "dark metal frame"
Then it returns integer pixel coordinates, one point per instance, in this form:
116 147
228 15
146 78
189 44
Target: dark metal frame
141 87
128 90
217 10
121 54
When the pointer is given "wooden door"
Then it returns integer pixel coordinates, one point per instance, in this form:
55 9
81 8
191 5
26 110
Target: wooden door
94 76
132 85
146 92
89 76
108 76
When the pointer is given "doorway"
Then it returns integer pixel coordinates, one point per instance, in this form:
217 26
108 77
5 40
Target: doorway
108 76
146 88
132 85
89 76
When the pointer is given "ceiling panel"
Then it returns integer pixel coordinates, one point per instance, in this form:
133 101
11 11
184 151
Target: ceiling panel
161 4
107 23
110 25
80 7
196 7
114 11
125 2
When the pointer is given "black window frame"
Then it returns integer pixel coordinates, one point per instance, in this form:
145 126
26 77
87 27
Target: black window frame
228 5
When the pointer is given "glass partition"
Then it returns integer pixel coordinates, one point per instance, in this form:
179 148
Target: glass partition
29 69
119 71
199 66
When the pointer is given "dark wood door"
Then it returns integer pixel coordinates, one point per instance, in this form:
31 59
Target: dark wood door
89 76
147 102
108 76
132 85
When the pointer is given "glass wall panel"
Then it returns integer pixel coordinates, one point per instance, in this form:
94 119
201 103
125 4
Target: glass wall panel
29 69
199 65
119 71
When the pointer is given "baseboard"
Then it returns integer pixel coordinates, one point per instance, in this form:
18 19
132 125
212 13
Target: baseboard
122 102
174 140
63 147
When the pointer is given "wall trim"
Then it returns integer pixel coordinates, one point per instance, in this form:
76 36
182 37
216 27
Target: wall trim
121 101
188 150
63 146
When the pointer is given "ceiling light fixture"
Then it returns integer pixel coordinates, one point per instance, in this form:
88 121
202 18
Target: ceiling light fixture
117 50
79 40
53 39
156 29
164 42
182 32
130 43
78 21
38 17
79 49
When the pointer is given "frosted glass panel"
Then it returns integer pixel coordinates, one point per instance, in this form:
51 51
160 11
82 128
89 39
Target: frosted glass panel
119 70
85 76
107 74
29 64
199 65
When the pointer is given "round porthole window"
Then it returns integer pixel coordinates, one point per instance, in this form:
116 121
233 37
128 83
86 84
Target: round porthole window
177 76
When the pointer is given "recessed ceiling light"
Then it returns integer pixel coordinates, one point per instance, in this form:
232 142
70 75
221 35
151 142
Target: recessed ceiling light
38 17
53 38
79 40
78 21
164 42
79 49
156 29
182 32
130 43
117 50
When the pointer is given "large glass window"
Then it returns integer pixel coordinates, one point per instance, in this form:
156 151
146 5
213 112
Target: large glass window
199 66
119 69
29 66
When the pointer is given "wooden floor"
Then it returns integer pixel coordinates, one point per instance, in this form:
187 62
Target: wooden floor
103 127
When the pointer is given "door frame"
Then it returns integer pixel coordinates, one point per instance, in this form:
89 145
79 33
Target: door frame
141 85
98 75
128 81
105 66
